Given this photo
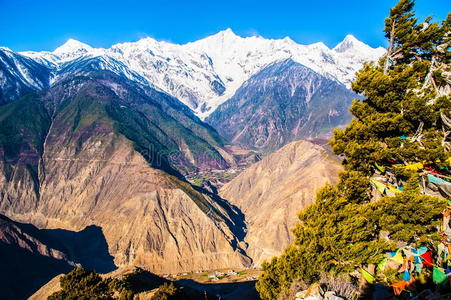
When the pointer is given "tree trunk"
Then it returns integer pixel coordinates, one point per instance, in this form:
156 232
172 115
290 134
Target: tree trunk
390 48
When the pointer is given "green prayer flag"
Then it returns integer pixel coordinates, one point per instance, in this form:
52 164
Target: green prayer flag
380 168
438 276
381 265
379 186
368 277
437 180
418 268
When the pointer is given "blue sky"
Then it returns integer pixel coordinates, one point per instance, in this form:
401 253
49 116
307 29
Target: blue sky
46 24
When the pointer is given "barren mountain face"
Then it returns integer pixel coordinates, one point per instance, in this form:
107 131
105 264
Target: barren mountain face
272 191
99 151
84 154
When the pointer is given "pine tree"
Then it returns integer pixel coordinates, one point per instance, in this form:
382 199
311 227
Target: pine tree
402 120
407 39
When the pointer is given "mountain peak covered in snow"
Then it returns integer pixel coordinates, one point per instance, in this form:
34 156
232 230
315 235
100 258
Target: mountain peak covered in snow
5 49
351 43
148 41
349 38
71 45
226 33
205 73
222 38
319 46
72 49
288 40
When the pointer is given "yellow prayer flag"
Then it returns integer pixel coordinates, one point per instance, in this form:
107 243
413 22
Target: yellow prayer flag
415 167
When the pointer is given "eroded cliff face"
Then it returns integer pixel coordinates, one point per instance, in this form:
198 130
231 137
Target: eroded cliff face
82 163
271 192
148 217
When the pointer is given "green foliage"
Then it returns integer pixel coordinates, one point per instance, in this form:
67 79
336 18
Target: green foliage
409 40
399 122
198 181
23 126
83 284
336 235
167 292
353 186
157 136
408 217
391 110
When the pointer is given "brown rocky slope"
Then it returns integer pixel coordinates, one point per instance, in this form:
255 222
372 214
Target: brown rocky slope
273 190
84 153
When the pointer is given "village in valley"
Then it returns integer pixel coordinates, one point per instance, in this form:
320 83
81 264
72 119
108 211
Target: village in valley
217 276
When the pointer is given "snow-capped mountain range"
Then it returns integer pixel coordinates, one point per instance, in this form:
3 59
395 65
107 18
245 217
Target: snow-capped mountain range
202 74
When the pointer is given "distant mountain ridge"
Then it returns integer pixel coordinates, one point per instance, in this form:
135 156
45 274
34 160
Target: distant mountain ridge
202 74
20 75
284 102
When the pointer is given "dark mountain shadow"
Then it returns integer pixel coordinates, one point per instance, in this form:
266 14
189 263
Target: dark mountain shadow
22 272
237 223
29 256
141 280
87 247
224 291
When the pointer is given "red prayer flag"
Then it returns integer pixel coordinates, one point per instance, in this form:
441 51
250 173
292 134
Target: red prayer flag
427 257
